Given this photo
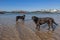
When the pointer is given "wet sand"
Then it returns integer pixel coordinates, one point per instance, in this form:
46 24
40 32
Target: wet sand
12 30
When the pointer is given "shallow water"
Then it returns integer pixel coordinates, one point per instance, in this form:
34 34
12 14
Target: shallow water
28 16
11 30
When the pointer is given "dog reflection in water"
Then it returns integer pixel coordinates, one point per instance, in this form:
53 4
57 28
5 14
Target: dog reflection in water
40 21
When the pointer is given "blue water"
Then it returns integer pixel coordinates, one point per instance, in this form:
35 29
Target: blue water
28 16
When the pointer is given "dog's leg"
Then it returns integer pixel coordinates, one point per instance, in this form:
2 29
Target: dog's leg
36 26
51 24
39 28
48 26
52 27
16 19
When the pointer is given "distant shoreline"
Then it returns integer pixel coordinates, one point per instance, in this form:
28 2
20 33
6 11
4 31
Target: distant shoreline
24 12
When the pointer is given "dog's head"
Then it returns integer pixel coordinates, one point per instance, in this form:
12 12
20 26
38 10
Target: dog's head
34 18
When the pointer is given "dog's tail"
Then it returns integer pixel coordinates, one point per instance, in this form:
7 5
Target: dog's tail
55 23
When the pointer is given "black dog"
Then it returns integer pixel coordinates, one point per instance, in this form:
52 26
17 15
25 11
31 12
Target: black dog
40 21
20 17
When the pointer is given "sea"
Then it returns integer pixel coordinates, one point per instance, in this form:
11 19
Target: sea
28 16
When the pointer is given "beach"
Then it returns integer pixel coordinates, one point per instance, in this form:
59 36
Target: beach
12 30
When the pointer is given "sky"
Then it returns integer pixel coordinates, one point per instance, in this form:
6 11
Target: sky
29 5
